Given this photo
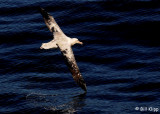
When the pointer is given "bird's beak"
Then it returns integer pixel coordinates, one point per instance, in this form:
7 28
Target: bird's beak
41 47
80 42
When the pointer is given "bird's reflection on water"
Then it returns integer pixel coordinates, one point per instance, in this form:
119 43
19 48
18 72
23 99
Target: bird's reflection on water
59 103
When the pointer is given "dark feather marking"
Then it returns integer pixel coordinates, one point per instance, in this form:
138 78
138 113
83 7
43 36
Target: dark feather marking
49 20
64 52
71 63
76 73
44 13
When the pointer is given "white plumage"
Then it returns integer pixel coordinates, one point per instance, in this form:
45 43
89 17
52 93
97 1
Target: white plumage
64 43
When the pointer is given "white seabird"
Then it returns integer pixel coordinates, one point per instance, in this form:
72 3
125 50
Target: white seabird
64 43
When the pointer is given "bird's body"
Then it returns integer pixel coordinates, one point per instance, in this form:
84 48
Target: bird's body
64 43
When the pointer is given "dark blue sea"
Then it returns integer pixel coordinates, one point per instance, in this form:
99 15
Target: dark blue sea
120 58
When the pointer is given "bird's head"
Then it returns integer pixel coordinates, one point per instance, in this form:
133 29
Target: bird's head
75 41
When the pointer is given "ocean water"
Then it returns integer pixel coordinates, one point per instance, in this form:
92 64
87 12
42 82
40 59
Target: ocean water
120 58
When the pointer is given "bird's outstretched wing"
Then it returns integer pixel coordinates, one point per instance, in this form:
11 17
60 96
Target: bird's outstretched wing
72 65
50 22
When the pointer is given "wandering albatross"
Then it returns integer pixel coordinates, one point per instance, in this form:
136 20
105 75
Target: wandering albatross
64 43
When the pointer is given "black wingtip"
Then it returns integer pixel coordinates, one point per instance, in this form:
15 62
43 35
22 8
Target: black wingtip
84 87
44 13
82 84
40 9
